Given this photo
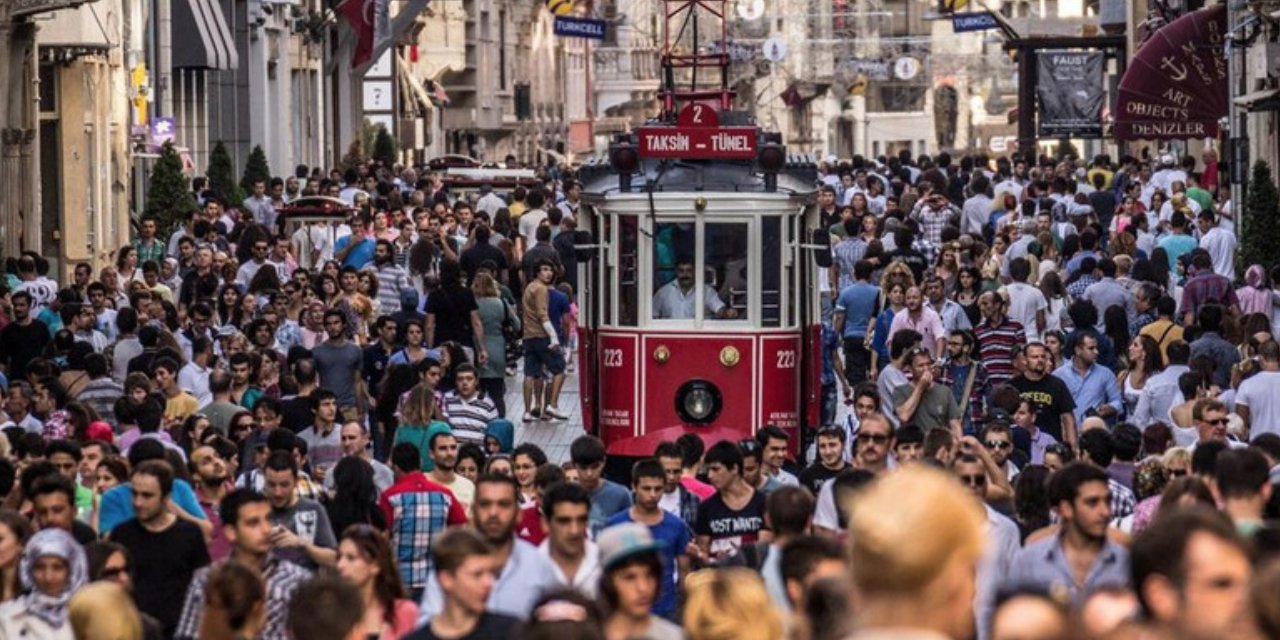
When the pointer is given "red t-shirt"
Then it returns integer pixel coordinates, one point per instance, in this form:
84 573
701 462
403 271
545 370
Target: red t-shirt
530 527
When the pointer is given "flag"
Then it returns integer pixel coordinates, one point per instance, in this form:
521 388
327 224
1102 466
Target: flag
370 22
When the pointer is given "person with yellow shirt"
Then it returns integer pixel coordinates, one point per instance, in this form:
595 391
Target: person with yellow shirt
178 404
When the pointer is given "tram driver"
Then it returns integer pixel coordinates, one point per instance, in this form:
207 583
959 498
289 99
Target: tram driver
675 300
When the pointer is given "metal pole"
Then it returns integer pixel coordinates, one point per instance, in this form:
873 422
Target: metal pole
164 58
1027 100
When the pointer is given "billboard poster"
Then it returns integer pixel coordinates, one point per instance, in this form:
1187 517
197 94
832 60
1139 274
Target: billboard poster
1069 92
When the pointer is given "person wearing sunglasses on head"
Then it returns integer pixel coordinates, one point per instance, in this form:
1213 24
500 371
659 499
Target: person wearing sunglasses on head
1210 417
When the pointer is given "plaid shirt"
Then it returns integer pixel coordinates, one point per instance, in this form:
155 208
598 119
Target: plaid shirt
845 254
1141 320
1122 500
418 510
1207 288
1076 289
154 250
282 578
933 221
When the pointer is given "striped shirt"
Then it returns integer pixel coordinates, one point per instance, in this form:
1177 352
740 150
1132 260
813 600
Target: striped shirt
282 578
469 418
995 348
391 279
417 511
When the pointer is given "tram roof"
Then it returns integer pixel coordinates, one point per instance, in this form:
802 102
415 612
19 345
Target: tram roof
798 178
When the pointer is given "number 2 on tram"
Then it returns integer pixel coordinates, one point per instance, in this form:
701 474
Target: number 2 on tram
700 305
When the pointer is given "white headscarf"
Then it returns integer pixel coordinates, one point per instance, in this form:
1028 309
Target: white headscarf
59 544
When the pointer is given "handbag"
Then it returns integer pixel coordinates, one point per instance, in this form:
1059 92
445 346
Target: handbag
509 331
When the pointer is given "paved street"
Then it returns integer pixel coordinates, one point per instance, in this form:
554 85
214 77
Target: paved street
554 437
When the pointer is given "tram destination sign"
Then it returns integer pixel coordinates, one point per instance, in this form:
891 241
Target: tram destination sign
708 143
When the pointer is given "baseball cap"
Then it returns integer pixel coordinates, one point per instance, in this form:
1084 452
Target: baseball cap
622 541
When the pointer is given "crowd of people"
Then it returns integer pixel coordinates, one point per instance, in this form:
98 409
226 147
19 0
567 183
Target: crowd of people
1060 419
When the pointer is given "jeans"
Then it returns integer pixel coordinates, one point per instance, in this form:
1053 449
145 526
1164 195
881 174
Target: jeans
857 360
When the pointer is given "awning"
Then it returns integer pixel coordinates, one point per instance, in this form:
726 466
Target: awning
201 37
1176 85
1265 100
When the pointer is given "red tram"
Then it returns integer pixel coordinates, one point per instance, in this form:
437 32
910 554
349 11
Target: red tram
700 310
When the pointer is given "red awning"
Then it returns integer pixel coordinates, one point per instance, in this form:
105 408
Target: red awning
1176 85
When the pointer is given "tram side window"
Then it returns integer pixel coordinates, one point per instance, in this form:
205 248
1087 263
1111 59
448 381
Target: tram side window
771 272
725 251
628 271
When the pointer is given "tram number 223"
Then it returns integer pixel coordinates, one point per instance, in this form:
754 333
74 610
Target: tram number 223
787 359
612 358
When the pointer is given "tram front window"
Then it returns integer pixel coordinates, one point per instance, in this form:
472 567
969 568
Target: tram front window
724 285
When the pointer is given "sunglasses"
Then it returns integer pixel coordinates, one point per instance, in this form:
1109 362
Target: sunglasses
1216 422
974 480
875 438
1177 473
113 572
998 444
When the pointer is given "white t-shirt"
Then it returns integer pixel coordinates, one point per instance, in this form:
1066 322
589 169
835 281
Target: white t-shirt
529 222
1024 301
670 502
1221 245
1261 393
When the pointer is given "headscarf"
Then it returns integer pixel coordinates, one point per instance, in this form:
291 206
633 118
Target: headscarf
1254 297
59 544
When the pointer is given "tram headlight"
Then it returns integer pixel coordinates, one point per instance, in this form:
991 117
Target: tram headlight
698 402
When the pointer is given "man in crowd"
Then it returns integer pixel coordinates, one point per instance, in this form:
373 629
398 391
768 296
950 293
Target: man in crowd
733 518
444 454
246 520
1079 558
417 511
466 603
647 481
573 556
607 496
165 550
301 533
523 574
1054 405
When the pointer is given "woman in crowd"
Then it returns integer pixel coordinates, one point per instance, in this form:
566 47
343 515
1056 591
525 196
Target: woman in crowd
413 351
53 568
15 530
968 288
1144 361
355 496
471 459
1031 500
366 561
498 319
127 267
525 461
418 422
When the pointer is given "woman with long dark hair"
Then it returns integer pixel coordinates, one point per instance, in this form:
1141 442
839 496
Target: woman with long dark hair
365 560
355 495
1145 360
228 304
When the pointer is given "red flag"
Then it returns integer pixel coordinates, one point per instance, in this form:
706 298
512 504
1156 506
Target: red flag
360 17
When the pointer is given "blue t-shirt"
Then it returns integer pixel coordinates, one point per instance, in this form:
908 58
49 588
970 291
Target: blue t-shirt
557 306
1176 245
116 505
858 304
606 501
361 256
675 536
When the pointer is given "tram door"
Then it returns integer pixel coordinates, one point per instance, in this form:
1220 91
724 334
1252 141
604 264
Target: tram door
593 242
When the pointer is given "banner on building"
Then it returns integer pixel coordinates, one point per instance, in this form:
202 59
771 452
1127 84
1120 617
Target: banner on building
580 28
1069 88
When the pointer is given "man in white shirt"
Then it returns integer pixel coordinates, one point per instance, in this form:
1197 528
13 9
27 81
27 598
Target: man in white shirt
489 201
1220 243
530 220
1161 391
194 375
574 558
675 300
977 209
1258 399
246 272
1027 304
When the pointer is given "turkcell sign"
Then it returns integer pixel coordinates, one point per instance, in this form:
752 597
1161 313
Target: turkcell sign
580 28
978 21
719 143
